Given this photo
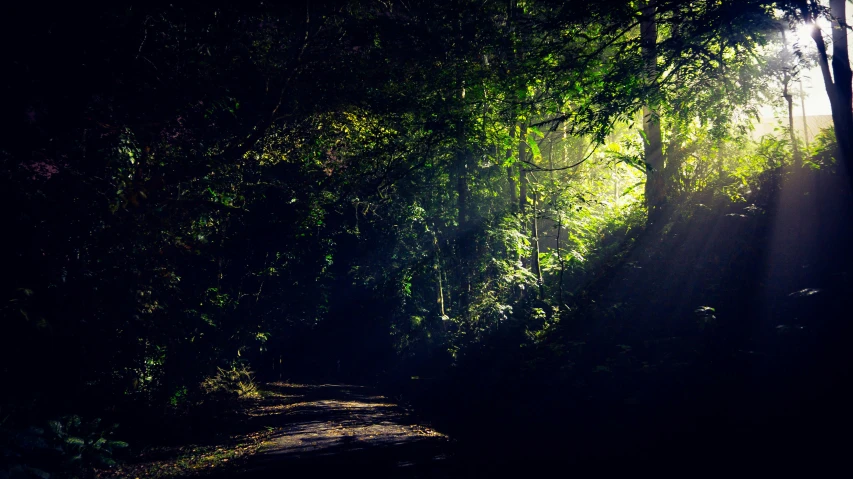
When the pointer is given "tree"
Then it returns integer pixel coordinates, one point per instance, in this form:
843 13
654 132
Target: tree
836 72
839 84
787 66
653 145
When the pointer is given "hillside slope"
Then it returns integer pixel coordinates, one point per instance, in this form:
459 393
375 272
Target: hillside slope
721 334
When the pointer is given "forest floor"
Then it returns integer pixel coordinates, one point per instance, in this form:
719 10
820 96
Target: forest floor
313 428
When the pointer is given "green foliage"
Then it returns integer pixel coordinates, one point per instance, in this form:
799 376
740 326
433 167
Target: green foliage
84 442
68 447
824 150
236 382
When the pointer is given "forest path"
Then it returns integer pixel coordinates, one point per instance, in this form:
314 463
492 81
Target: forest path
329 427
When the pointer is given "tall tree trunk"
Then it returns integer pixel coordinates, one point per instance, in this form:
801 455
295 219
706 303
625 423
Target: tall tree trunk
522 183
437 267
510 174
462 185
839 81
534 254
843 76
522 176
803 107
653 147
675 156
464 237
562 262
557 214
789 99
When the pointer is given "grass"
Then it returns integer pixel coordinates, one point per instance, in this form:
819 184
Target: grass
189 460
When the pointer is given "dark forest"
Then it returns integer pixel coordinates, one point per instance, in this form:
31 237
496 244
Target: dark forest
400 238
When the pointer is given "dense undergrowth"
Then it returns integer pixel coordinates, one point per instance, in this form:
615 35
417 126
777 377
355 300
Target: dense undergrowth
716 331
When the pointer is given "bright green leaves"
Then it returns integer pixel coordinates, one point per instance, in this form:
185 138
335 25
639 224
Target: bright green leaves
219 299
629 151
533 134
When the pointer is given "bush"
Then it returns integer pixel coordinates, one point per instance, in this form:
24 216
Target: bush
67 447
823 150
239 382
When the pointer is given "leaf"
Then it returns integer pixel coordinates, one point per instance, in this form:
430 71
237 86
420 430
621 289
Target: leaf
535 131
75 441
534 149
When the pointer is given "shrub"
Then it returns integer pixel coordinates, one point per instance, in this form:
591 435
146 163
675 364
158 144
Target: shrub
238 381
67 447
823 150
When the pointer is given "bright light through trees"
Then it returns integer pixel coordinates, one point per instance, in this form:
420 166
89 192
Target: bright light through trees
803 33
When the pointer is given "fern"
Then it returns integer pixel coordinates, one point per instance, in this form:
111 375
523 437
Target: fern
67 447
235 382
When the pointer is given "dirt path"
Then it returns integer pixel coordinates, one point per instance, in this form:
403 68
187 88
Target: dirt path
328 427
297 430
